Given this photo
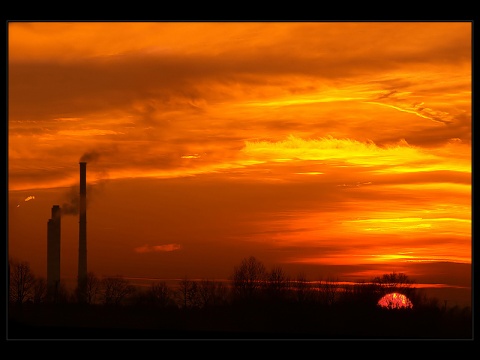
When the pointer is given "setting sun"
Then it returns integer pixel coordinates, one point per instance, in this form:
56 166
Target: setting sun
395 301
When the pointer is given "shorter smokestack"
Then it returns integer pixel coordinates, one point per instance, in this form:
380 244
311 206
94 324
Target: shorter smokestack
53 253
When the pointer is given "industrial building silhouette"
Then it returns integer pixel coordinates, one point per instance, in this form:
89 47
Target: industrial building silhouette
54 244
53 253
82 235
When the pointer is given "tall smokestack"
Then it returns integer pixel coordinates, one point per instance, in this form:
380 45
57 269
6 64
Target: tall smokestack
53 254
82 235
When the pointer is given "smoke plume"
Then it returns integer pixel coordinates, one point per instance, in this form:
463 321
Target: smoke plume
72 204
90 156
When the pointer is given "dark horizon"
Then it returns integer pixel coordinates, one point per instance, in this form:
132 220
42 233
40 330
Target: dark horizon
275 308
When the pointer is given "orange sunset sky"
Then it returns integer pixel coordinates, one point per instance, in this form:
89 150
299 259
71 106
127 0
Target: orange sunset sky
338 149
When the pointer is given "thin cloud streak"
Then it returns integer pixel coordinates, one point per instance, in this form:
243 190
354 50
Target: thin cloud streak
157 248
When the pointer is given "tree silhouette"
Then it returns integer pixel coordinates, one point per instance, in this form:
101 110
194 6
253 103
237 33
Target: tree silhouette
278 284
328 290
40 290
57 293
93 288
248 279
187 293
394 282
21 281
355 312
212 293
361 294
116 290
303 289
160 295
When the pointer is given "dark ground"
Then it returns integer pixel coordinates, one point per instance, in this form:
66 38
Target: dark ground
49 322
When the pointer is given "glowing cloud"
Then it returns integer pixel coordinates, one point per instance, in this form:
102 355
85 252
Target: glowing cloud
88 132
420 111
328 148
157 248
28 198
400 157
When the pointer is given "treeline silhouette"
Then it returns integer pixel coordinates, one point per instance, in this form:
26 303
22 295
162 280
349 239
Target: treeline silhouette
255 303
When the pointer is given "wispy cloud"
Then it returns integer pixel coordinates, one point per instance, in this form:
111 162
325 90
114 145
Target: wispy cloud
158 248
